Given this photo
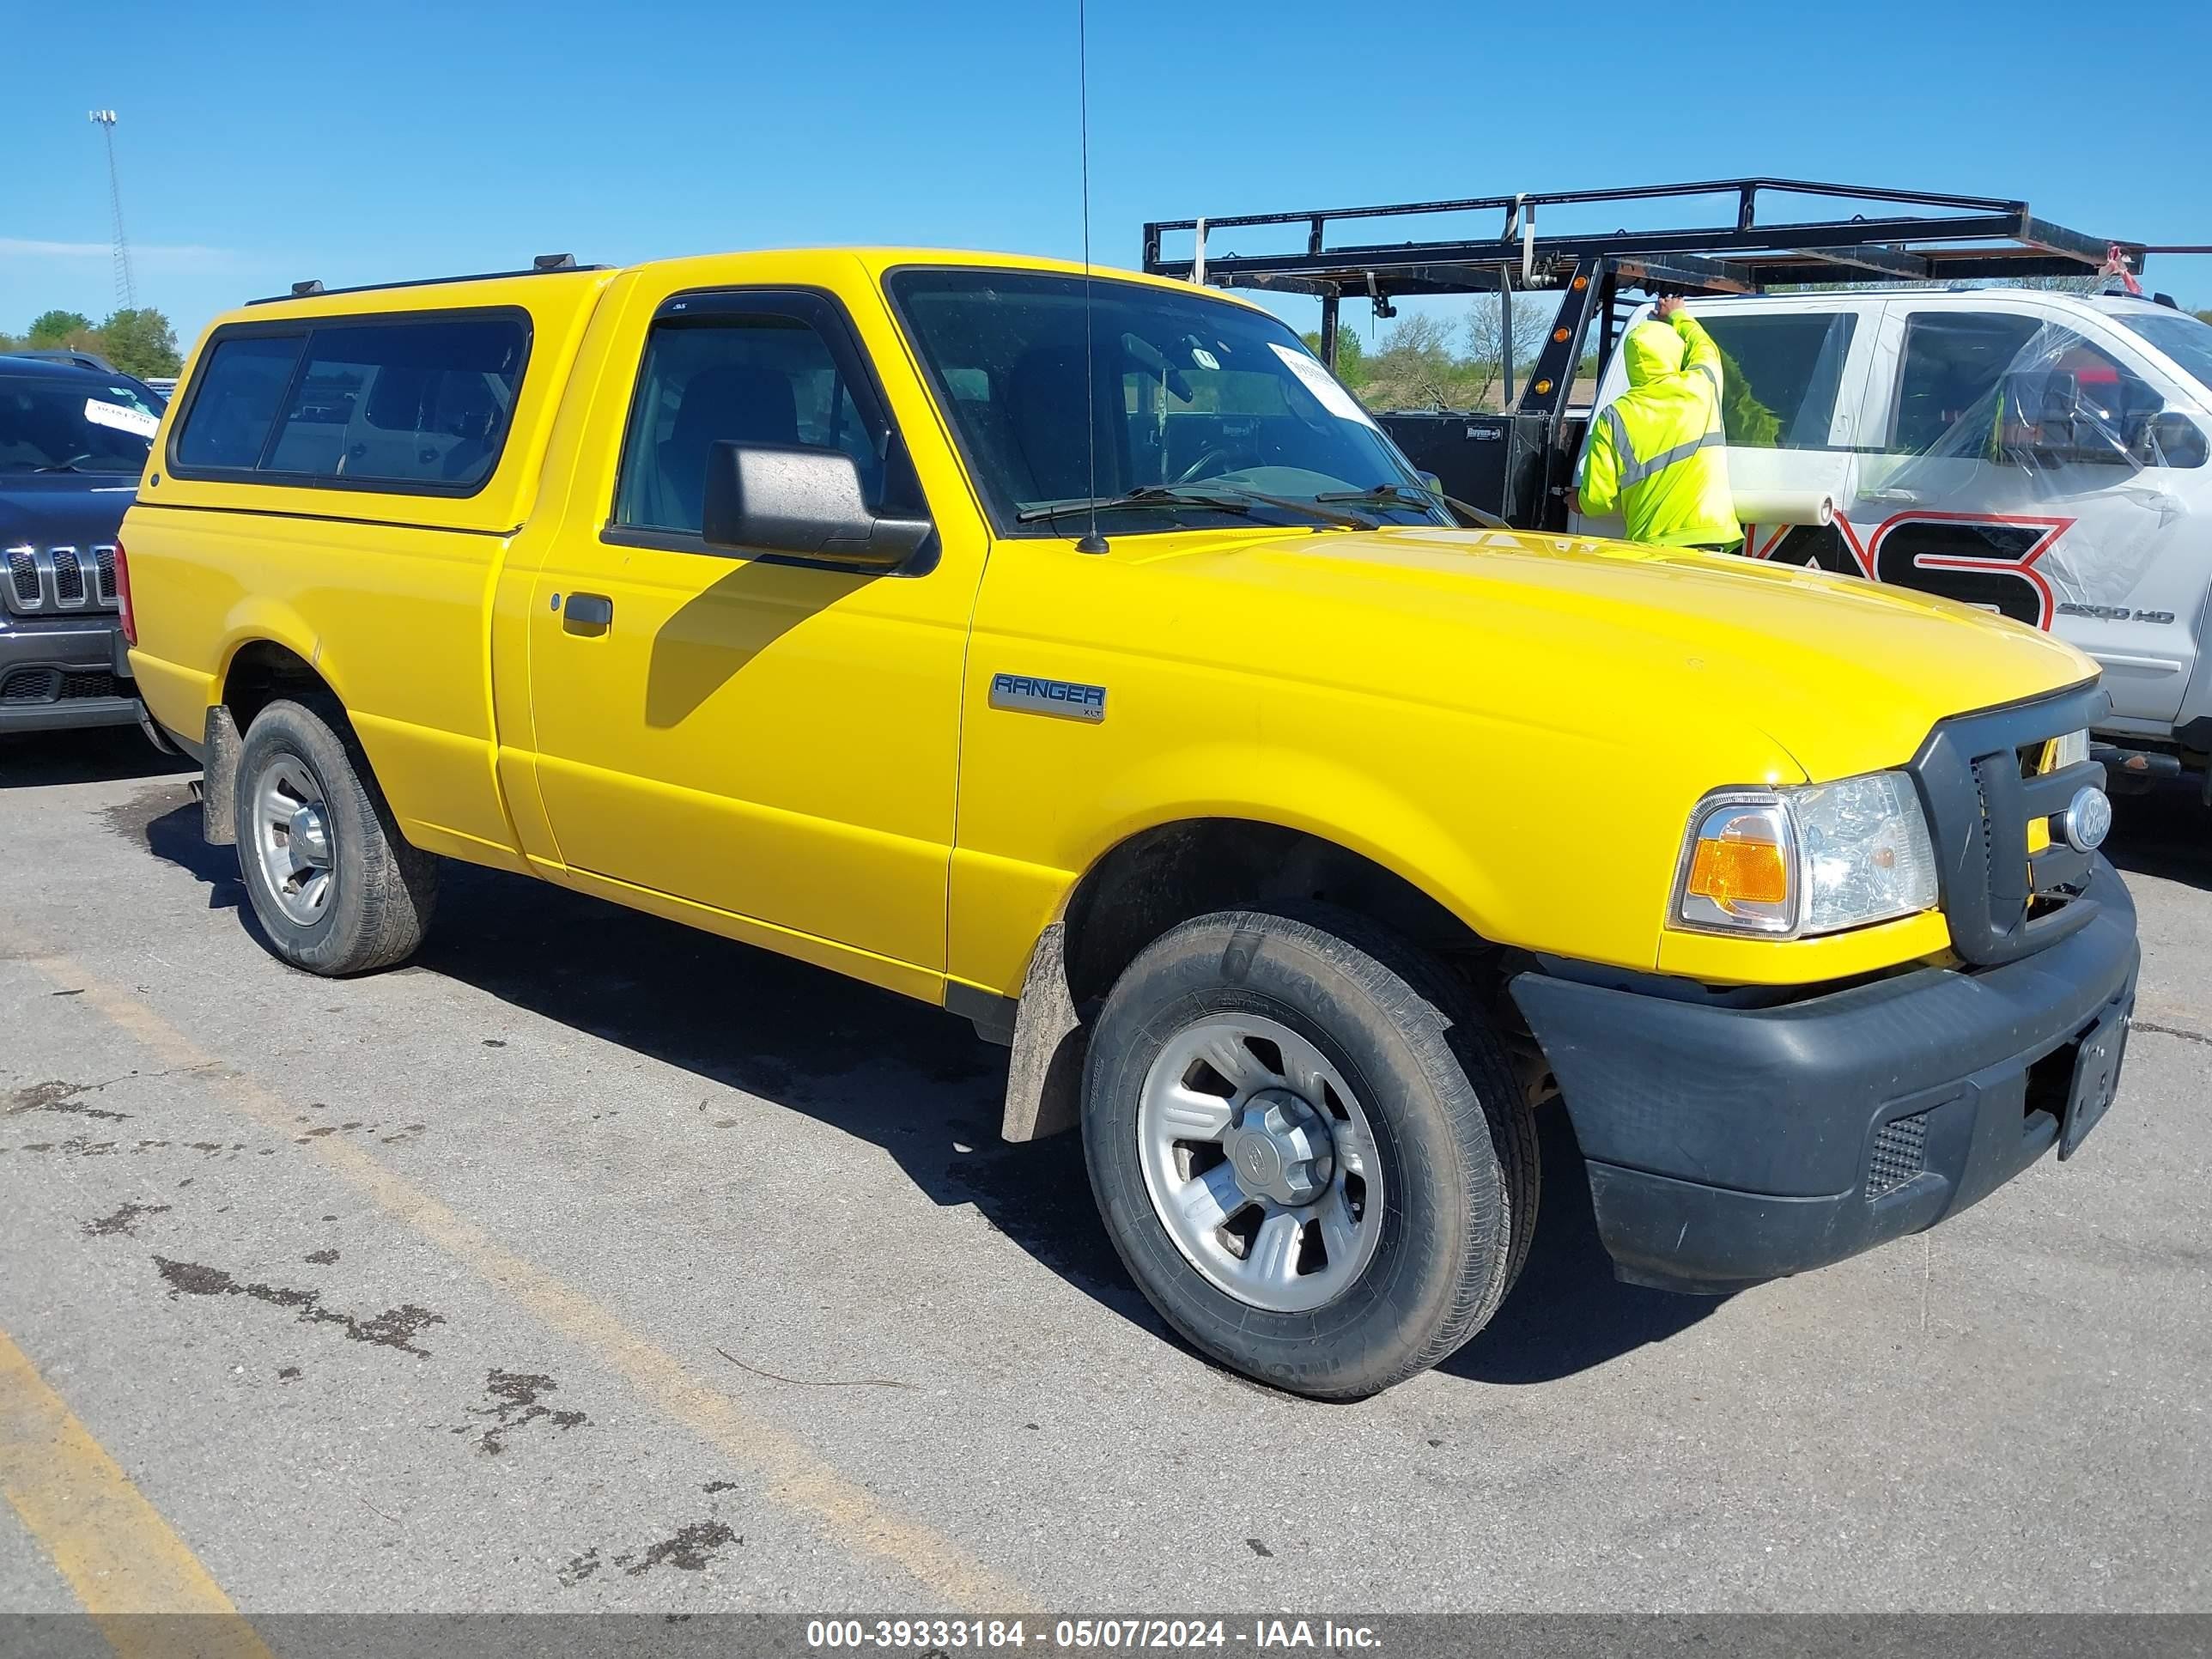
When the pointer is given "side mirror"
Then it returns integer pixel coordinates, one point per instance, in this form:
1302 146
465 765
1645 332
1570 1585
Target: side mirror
777 498
2172 438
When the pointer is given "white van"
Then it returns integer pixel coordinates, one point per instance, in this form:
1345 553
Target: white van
2040 453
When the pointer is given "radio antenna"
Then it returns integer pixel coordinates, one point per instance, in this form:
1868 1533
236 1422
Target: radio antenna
1092 541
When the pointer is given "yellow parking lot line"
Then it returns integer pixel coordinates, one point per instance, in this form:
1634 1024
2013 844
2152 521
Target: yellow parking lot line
793 1474
119 1557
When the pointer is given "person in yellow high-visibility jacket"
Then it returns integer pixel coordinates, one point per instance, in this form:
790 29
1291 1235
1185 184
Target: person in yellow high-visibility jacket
1656 454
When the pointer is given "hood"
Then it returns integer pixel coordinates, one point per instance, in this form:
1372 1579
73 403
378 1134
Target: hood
1628 643
63 509
1651 352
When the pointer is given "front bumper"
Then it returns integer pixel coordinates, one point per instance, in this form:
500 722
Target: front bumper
56 676
1726 1145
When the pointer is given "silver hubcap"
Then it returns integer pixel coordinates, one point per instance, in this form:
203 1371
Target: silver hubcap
1260 1163
292 840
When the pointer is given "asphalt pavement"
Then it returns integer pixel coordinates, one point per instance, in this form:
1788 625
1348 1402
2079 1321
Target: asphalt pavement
589 1262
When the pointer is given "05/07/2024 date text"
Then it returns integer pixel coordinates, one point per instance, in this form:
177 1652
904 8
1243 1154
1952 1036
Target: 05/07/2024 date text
1085 1635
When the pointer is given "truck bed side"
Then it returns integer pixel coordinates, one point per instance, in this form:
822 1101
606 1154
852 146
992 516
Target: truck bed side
383 597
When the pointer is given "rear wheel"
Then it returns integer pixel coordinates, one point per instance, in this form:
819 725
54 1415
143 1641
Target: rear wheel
1307 1148
335 887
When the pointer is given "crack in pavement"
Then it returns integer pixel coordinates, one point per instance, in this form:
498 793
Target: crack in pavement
392 1329
55 1095
515 1397
692 1549
124 1221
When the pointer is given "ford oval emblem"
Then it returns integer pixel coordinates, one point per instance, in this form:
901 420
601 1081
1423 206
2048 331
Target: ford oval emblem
2088 820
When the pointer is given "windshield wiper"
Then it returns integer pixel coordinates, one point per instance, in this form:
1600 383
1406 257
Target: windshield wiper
1145 496
1221 498
1309 505
1385 494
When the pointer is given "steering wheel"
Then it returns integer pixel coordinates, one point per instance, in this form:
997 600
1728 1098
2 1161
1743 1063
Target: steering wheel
1206 466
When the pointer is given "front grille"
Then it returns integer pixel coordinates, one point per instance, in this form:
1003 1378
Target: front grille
1980 778
43 580
30 685
38 685
87 682
1901 1152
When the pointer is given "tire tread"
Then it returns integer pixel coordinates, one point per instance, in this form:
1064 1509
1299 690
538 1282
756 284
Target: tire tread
397 888
1436 1014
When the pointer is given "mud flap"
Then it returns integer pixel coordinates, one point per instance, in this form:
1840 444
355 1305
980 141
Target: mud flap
1044 1078
219 780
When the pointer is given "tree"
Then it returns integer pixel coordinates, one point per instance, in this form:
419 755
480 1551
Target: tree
2205 316
1415 367
55 328
140 342
1487 346
1750 424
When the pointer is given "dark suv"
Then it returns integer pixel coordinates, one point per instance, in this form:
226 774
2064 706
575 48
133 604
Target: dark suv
73 441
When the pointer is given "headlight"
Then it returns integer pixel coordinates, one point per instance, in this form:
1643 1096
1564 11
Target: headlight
1791 863
2069 750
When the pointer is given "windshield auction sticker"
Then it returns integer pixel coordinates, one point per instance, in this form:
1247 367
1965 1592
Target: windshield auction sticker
1319 382
136 421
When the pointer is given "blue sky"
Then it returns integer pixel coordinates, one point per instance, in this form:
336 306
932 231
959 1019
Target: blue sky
365 141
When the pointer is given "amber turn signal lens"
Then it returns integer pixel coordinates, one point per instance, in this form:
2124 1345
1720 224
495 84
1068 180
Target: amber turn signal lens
1730 872
1558 334
1542 386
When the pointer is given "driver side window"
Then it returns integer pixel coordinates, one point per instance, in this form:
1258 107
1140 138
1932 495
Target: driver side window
749 379
2077 403
2002 387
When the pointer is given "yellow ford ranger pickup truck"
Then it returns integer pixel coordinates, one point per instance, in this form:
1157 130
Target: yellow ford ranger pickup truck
1074 653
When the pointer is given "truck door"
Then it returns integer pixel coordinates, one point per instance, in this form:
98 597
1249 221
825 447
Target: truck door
1790 396
769 739
2029 462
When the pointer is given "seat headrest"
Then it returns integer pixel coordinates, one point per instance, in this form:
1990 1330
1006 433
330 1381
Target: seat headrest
739 403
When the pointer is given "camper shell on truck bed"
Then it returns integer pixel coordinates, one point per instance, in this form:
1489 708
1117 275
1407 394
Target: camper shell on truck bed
2038 453
1066 648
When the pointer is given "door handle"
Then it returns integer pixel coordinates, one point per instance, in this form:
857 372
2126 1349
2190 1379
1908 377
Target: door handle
585 611
1894 495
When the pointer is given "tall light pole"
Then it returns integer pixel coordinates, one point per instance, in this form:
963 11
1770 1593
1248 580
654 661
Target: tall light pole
126 291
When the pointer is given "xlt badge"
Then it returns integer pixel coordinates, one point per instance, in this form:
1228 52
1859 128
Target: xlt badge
1068 699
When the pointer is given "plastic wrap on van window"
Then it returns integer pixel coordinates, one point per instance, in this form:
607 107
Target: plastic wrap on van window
2069 452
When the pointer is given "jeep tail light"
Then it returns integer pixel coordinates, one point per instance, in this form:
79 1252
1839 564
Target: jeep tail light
122 597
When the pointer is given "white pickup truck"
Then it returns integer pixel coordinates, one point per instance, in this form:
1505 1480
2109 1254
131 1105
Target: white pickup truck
1917 393
2040 453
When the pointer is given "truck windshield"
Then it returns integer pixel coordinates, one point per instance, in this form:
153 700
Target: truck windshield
70 425
2180 337
1187 396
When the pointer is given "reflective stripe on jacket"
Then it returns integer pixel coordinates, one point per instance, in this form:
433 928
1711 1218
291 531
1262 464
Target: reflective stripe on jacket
1656 453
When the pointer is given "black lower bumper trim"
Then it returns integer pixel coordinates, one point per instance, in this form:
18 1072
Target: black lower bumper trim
1728 1145
70 713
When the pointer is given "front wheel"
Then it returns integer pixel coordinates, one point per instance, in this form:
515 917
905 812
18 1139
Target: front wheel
336 889
1307 1148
